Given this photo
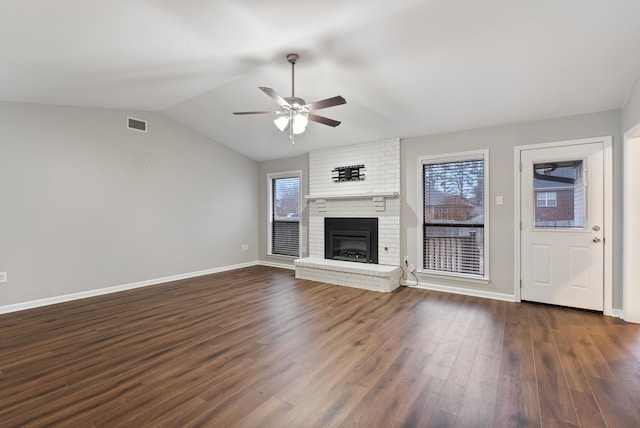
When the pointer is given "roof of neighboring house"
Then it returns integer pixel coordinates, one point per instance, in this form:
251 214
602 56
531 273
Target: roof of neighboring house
434 197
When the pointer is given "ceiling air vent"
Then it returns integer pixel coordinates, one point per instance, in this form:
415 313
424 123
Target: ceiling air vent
137 124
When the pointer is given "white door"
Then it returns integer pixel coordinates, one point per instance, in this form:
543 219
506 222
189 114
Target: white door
562 214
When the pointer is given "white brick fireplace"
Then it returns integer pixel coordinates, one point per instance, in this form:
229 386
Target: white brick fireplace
375 195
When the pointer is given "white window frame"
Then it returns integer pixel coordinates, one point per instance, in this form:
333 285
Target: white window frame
455 157
270 178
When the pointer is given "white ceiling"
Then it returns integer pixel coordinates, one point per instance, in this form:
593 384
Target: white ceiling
406 67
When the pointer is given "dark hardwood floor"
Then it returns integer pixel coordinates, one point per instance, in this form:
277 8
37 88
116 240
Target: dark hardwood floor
257 348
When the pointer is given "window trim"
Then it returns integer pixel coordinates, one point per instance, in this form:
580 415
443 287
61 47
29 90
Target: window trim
270 177
454 157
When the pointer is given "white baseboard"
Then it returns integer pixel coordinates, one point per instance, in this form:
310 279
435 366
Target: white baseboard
463 291
114 289
276 265
618 313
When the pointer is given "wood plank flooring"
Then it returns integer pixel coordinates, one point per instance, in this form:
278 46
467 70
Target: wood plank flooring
257 348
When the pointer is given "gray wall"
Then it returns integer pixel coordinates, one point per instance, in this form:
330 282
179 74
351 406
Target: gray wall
87 204
631 109
300 163
501 142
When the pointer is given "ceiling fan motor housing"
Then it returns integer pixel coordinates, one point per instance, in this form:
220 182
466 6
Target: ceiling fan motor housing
295 102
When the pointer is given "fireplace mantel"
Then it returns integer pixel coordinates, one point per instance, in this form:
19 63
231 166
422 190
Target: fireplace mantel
378 199
365 195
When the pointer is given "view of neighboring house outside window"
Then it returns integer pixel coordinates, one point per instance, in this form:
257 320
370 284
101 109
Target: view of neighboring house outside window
284 221
453 197
559 194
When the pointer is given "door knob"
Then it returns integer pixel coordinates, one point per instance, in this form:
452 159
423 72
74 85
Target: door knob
596 239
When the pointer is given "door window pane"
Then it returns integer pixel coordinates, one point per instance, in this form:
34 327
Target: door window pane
558 191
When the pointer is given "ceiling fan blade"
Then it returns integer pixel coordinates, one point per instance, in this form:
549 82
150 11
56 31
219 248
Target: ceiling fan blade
329 102
273 94
323 120
259 112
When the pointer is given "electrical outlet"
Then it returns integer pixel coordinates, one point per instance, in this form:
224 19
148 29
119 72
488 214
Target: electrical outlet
244 247
3 277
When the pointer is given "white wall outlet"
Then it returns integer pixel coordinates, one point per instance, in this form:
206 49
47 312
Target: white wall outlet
3 277
499 200
245 247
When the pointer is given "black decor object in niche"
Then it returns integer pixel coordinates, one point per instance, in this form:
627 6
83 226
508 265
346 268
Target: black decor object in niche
353 239
347 173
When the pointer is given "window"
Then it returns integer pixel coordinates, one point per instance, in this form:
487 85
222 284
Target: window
453 196
285 214
559 189
546 199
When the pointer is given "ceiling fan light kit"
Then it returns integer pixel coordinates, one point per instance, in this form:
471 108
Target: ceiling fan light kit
294 112
282 122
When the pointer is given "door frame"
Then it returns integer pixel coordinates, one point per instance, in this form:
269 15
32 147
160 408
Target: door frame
630 249
607 146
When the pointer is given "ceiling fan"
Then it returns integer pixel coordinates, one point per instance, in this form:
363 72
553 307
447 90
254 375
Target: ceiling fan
294 112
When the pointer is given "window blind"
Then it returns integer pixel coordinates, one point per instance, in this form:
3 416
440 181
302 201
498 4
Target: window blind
453 227
285 222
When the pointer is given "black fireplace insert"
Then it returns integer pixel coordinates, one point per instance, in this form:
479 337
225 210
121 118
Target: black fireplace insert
353 239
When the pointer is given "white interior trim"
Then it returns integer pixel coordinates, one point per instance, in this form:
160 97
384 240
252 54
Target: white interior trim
608 226
607 142
631 227
517 221
277 265
457 290
114 289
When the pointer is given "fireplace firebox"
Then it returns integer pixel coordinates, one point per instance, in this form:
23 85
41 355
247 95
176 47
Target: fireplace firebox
353 239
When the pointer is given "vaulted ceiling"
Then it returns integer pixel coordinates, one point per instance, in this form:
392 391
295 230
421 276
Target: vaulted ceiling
406 67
